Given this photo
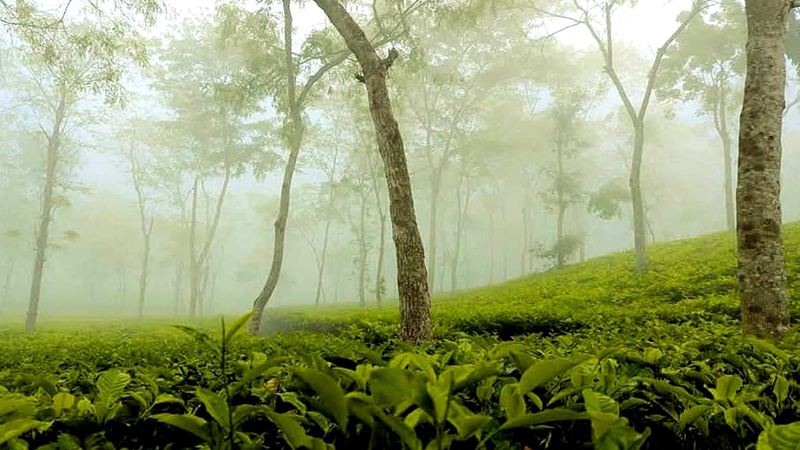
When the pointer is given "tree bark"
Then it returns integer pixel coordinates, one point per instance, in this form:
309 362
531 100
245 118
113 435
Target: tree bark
46 215
296 135
762 276
412 280
639 227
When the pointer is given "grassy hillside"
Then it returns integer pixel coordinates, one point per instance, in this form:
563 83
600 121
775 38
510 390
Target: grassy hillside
688 280
590 357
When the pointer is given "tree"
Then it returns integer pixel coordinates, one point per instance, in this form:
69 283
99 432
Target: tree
604 38
210 93
707 61
65 64
412 283
762 272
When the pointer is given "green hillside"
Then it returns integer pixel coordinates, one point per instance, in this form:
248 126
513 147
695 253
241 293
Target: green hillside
592 356
689 280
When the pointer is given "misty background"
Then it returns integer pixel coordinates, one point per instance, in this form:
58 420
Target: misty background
480 109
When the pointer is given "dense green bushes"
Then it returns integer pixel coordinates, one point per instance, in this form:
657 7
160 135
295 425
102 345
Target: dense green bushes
588 357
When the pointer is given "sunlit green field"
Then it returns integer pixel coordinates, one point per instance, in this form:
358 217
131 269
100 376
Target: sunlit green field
592 356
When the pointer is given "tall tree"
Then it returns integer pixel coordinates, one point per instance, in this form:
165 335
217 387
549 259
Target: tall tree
139 177
412 282
706 64
602 33
67 64
762 271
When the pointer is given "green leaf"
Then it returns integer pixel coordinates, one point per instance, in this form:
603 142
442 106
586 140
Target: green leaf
186 422
15 428
293 433
216 407
470 426
329 391
111 385
543 372
596 402
236 327
689 416
512 402
63 400
781 388
167 398
546 416
399 427
780 437
770 348
727 387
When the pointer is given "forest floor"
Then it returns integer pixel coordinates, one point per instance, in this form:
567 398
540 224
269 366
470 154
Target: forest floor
591 356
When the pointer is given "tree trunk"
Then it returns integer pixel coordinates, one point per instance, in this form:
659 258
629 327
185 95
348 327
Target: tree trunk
433 226
379 286
562 202
7 286
762 276
46 215
462 213
412 279
296 135
145 264
328 220
491 247
178 287
194 270
730 206
525 244
639 228
362 253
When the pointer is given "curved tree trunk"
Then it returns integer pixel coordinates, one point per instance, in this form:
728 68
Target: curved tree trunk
762 276
296 134
412 279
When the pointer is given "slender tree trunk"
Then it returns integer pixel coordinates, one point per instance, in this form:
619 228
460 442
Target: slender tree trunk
525 244
379 285
725 137
328 220
178 287
433 226
297 132
46 215
7 286
362 253
145 267
762 276
639 228
562 203
412 279
194 269
462 213
491 247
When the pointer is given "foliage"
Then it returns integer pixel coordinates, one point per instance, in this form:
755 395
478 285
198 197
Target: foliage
605 360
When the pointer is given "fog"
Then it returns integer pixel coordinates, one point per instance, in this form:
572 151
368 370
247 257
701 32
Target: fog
519 148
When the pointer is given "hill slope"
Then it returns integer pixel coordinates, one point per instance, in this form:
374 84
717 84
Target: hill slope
688 279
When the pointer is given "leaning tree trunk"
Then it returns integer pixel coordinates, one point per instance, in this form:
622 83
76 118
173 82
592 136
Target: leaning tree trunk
46 216
762 276
412 280
297 132
194 270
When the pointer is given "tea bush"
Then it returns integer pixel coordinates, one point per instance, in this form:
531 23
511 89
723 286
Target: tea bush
588 357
